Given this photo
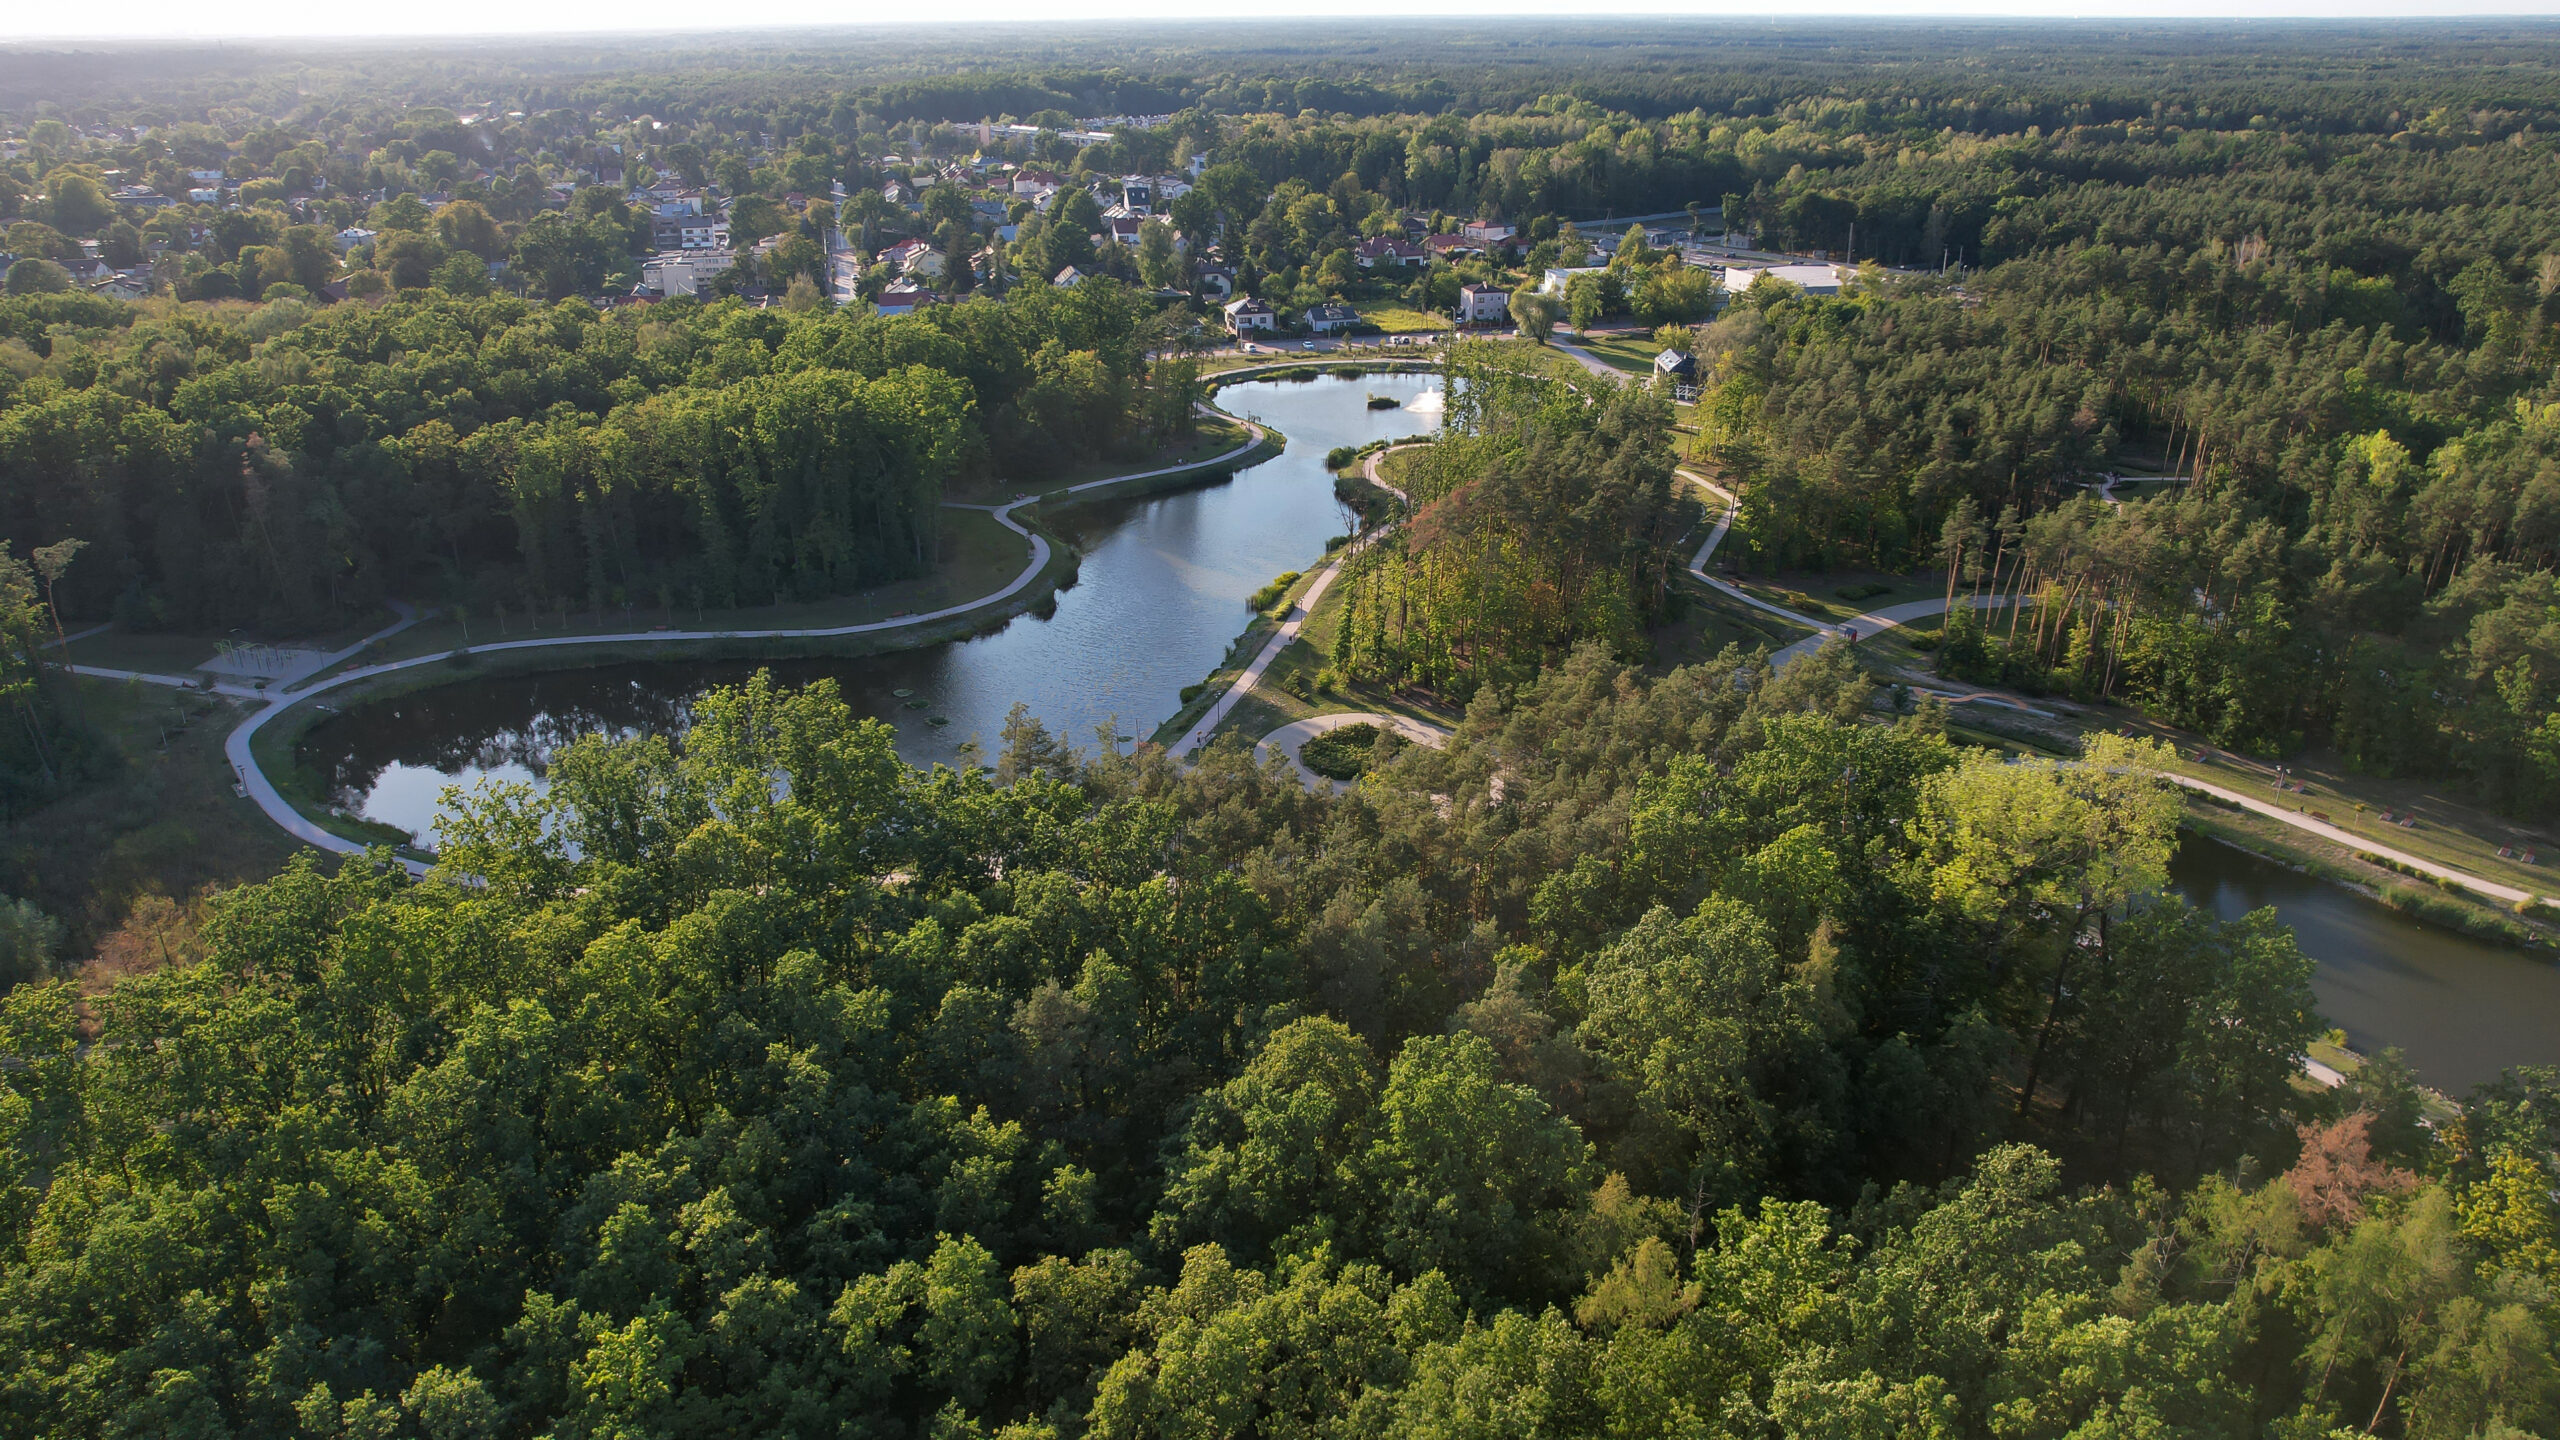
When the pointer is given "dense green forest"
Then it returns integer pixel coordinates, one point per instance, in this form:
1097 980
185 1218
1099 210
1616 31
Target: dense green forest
1744 1069
284 464
1684 1051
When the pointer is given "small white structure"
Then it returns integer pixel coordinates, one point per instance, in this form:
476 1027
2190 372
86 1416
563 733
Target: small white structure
1811 279
1558 277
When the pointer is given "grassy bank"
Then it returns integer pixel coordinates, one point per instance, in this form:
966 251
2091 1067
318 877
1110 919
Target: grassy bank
166 824
2439 904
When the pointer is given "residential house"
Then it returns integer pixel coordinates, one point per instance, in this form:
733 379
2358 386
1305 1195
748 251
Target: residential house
1124 229
353 236
688 230
1331 318
914 257
1483 305
904 299
1380 250
1032 182
1487 232
1217 282
898 192
1558 277
1071 276
684 272
1449 249
1681 369
1246 314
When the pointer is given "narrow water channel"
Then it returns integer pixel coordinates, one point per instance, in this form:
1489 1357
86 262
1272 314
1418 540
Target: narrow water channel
1159 595
2460 1009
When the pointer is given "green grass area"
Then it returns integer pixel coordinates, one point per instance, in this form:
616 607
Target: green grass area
1403 319
1631 353
1215 437
166 824
2447 831
1820 595
977 556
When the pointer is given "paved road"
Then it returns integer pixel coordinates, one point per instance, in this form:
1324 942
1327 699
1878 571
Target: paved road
1893 615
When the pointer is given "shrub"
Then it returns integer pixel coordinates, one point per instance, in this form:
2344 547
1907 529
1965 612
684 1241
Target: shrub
1269 595
1349 752
1340 456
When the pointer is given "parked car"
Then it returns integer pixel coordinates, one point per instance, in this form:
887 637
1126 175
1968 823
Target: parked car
1306 344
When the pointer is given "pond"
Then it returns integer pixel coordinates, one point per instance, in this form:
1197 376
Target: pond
2460 1009
1159 596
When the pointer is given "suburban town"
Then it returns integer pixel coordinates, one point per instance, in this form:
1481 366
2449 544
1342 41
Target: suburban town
1088 725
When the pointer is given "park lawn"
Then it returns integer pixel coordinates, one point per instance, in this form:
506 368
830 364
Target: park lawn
1819 595
1712 621
167 824
175 653
1403 319
977 556
1631 353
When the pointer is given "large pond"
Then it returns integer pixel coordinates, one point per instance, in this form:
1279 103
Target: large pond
2461 1009
1161 594
1158 598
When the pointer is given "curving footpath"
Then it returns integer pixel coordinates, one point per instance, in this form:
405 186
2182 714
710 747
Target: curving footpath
255 784
1219 709
1289 739
1893 615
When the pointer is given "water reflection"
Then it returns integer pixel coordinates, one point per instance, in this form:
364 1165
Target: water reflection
2462 1009
1159 595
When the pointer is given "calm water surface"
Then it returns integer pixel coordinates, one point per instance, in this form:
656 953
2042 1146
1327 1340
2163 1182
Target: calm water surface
1159 596
2461 1009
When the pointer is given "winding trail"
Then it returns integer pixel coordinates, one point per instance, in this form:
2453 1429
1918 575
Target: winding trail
255 784
1219 709
1894 615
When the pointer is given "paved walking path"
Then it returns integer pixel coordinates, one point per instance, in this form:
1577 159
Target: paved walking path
255 784
1893 615
1289 739
1219 709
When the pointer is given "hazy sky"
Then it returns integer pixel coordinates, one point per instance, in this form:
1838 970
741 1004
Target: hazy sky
162 19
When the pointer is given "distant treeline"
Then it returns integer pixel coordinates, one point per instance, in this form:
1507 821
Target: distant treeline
230 466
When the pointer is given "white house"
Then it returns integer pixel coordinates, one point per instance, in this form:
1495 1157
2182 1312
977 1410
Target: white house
1558 277
684 272
353 236
1069 277
1331 318
1245 313
1483 305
